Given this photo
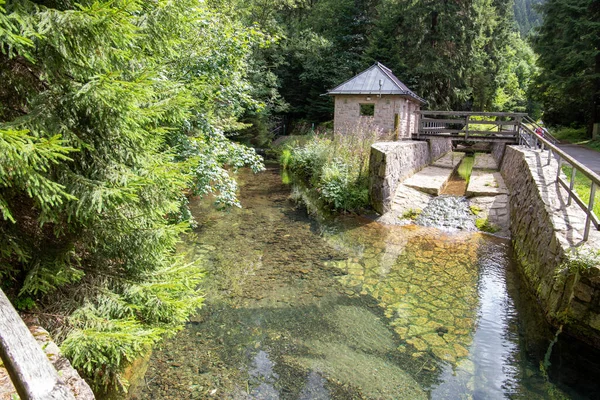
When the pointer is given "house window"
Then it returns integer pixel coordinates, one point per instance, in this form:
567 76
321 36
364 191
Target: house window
367 110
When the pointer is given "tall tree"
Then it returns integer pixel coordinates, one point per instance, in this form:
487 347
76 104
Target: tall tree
527 15
111 112
455 54
568 44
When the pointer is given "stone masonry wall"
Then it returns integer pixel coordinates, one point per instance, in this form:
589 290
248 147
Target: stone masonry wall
392 162
347 114
439 147
540 239
498 152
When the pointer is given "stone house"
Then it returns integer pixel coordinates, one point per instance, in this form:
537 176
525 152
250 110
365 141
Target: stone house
377 99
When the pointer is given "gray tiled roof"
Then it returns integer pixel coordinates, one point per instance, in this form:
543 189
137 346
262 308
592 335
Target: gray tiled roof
377 79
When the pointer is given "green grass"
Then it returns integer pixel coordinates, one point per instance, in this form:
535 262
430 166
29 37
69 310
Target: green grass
576 136
582 187
466 167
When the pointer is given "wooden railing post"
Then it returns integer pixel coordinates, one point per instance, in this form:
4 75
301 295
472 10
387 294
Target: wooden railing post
30 371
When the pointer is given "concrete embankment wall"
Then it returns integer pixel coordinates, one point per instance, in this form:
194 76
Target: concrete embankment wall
543 229
392 162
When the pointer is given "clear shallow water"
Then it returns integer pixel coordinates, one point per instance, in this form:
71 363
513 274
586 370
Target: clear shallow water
353 309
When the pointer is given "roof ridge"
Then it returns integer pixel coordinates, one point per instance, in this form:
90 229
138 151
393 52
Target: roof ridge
348 80
388 72
366 81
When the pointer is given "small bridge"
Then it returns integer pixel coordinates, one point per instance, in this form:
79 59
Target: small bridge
510 128
513 128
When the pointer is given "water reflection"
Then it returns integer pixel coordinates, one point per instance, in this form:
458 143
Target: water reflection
351 309
262 377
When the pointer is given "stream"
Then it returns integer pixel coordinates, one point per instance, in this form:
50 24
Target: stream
352 309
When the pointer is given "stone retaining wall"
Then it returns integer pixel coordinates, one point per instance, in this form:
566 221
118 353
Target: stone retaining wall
543 229
79 388
497 150
392 162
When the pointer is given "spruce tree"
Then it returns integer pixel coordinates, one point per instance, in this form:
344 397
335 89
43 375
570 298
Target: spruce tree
568 44
112 113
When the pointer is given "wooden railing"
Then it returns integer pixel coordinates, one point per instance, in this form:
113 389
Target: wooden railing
528 137
517 128
30 371
470 126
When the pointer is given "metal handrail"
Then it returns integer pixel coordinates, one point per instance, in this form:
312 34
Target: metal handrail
547 134
543 143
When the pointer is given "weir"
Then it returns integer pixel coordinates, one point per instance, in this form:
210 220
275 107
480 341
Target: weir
528 192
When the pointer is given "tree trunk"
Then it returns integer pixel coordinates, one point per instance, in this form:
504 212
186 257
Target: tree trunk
596 101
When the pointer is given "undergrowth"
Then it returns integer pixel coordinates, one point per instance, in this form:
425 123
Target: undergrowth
334 165
576 136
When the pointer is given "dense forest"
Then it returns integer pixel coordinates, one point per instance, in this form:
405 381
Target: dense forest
114 113
527 15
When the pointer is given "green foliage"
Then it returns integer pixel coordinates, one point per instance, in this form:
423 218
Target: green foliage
484 225
112 113
308 161
24 164
458 55
285 158
567 43
335 167
527 15
338 189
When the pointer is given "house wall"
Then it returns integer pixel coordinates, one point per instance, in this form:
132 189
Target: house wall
347 114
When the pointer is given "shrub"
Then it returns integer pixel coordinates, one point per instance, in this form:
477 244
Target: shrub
334 166
307 161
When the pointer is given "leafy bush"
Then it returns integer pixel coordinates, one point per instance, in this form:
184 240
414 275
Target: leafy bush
334 166
308 161
337 188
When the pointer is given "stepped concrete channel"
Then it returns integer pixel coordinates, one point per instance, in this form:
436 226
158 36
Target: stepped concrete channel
515 189
487 195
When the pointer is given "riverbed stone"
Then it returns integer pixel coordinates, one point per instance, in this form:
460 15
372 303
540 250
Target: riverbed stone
434 340
444 353
418 344
460 350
